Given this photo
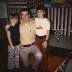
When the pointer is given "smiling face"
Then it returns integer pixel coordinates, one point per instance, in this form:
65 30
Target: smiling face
13 21
40 13
25 16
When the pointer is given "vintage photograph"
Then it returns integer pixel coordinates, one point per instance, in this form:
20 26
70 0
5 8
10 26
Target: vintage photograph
35 35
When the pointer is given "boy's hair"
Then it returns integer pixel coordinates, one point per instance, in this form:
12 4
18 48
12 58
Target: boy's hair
41 7
25 9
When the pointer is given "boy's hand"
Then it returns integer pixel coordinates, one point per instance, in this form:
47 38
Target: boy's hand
44 44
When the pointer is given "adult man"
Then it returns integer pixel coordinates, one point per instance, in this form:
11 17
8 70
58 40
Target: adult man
27 38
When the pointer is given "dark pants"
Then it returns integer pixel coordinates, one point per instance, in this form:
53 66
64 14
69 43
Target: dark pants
44 64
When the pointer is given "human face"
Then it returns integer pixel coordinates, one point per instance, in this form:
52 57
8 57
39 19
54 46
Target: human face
13 21
25 16
40 13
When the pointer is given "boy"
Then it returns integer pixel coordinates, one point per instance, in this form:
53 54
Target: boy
42 31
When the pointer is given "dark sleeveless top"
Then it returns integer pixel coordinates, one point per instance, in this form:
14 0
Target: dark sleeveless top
15 35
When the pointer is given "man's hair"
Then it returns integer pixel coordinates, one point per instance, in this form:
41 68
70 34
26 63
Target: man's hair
25 9
40 7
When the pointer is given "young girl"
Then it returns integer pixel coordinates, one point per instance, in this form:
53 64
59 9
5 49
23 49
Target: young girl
12 30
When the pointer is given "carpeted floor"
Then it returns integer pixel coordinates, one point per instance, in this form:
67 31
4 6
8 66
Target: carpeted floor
53 53
55 57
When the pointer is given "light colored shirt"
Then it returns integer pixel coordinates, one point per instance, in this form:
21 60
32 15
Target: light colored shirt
27 32
42 25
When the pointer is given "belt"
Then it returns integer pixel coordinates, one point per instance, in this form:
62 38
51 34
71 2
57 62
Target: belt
41 37
28 45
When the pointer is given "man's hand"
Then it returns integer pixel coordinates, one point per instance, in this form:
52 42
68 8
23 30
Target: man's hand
7 27
44 44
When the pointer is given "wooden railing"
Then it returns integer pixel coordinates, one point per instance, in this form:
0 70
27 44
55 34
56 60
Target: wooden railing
61 19
60 16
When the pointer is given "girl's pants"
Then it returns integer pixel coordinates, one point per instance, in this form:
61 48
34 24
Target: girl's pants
13 57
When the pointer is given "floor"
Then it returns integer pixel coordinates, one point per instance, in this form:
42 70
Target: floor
55 59
54 49
69 66
65 43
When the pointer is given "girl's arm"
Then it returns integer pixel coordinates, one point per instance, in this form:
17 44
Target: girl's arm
9 38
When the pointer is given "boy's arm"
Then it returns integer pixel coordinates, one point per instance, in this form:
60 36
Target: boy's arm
47 35
44 44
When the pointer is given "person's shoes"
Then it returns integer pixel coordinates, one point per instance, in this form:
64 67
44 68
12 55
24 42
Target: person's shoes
34 69
31 68
24 69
